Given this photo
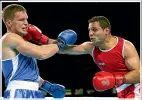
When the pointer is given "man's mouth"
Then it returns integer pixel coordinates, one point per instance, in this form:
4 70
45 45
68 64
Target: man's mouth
92 38
25 28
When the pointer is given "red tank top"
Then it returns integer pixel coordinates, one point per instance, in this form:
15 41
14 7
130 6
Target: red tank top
111 60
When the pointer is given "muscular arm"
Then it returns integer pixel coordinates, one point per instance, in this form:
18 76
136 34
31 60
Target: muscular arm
84 48
132 62
14 41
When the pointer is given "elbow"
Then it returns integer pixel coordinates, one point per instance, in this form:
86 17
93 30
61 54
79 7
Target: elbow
138 72
138 75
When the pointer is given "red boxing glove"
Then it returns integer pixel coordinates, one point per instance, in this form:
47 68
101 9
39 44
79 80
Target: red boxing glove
105 80
35 35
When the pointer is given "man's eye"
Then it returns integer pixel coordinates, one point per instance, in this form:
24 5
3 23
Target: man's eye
94 29
21 19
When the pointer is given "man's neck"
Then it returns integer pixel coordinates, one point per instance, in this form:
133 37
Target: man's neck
109 43
10 31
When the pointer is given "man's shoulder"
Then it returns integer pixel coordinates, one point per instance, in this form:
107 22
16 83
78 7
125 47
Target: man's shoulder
128 44
9 36
88 46
119 37
4 36
123 39
88 43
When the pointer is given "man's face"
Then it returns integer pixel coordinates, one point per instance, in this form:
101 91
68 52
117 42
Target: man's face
96 33
19 23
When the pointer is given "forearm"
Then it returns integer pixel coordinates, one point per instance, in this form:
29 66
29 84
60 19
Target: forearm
49 50
44 51
132 77
67 49
72 50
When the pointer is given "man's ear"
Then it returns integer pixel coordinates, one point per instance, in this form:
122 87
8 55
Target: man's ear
107 29
8 22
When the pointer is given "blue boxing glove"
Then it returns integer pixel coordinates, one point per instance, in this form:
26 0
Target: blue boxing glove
66 37
56 90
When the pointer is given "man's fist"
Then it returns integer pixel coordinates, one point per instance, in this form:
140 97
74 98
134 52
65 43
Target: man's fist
66 37
105 80
35 35
56 90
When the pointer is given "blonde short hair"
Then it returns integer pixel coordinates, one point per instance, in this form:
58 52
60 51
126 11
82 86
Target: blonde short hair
10 10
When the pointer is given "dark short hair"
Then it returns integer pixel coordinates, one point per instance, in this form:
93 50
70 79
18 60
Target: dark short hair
104 22
10 10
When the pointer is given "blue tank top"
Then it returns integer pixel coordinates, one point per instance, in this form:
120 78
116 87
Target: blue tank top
20 68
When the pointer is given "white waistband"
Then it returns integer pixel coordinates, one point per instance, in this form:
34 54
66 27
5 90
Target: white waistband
23 85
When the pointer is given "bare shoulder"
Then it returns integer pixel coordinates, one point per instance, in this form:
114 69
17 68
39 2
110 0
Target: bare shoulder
88 46
9 36
128 45
10 39
129 48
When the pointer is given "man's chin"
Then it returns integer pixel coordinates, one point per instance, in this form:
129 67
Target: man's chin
24 33
95 44
91 40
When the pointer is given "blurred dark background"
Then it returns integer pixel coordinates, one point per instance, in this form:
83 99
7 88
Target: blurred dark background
76 72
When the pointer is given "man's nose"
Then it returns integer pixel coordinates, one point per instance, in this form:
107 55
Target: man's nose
91 33
26 22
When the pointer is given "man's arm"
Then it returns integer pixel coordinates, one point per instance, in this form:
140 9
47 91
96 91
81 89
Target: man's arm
28 49
84 48
132 62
